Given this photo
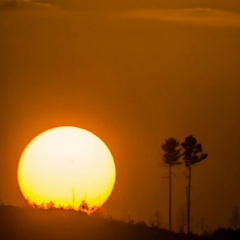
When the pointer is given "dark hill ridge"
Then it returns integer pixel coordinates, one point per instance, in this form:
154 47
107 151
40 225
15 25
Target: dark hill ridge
30 224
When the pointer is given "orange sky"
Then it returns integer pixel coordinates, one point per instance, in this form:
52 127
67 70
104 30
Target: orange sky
134 74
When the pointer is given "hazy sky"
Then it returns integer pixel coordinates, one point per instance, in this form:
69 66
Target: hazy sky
134 73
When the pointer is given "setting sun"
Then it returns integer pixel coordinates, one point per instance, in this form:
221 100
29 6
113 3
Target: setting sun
68 167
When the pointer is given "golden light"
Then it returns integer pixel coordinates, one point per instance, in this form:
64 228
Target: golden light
67 167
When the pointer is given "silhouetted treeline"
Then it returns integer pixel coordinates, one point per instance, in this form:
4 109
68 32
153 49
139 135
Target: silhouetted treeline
25 224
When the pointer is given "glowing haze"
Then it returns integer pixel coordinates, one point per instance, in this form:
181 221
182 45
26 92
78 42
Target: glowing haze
69 167
135 73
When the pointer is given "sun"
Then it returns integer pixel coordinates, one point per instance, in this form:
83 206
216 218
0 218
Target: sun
67 167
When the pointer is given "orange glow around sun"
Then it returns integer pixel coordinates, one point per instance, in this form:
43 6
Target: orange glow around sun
67 167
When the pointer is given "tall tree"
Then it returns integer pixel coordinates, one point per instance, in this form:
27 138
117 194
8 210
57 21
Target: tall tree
181 218
192 154
171 157
235 218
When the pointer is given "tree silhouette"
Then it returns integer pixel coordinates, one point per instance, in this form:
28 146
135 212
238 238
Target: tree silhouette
50 205
181 218
192 154
235 218
171 158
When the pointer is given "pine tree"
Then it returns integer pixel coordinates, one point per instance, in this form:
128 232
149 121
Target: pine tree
171 157
192 155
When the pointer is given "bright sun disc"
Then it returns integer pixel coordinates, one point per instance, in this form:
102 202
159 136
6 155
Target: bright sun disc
67 167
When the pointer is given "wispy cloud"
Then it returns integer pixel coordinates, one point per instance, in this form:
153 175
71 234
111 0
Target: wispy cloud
25 4
197 16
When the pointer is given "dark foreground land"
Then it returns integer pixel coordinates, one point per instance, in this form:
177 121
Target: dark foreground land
30 224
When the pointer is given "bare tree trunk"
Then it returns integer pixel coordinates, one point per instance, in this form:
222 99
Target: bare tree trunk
189 201
73 197
170 197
